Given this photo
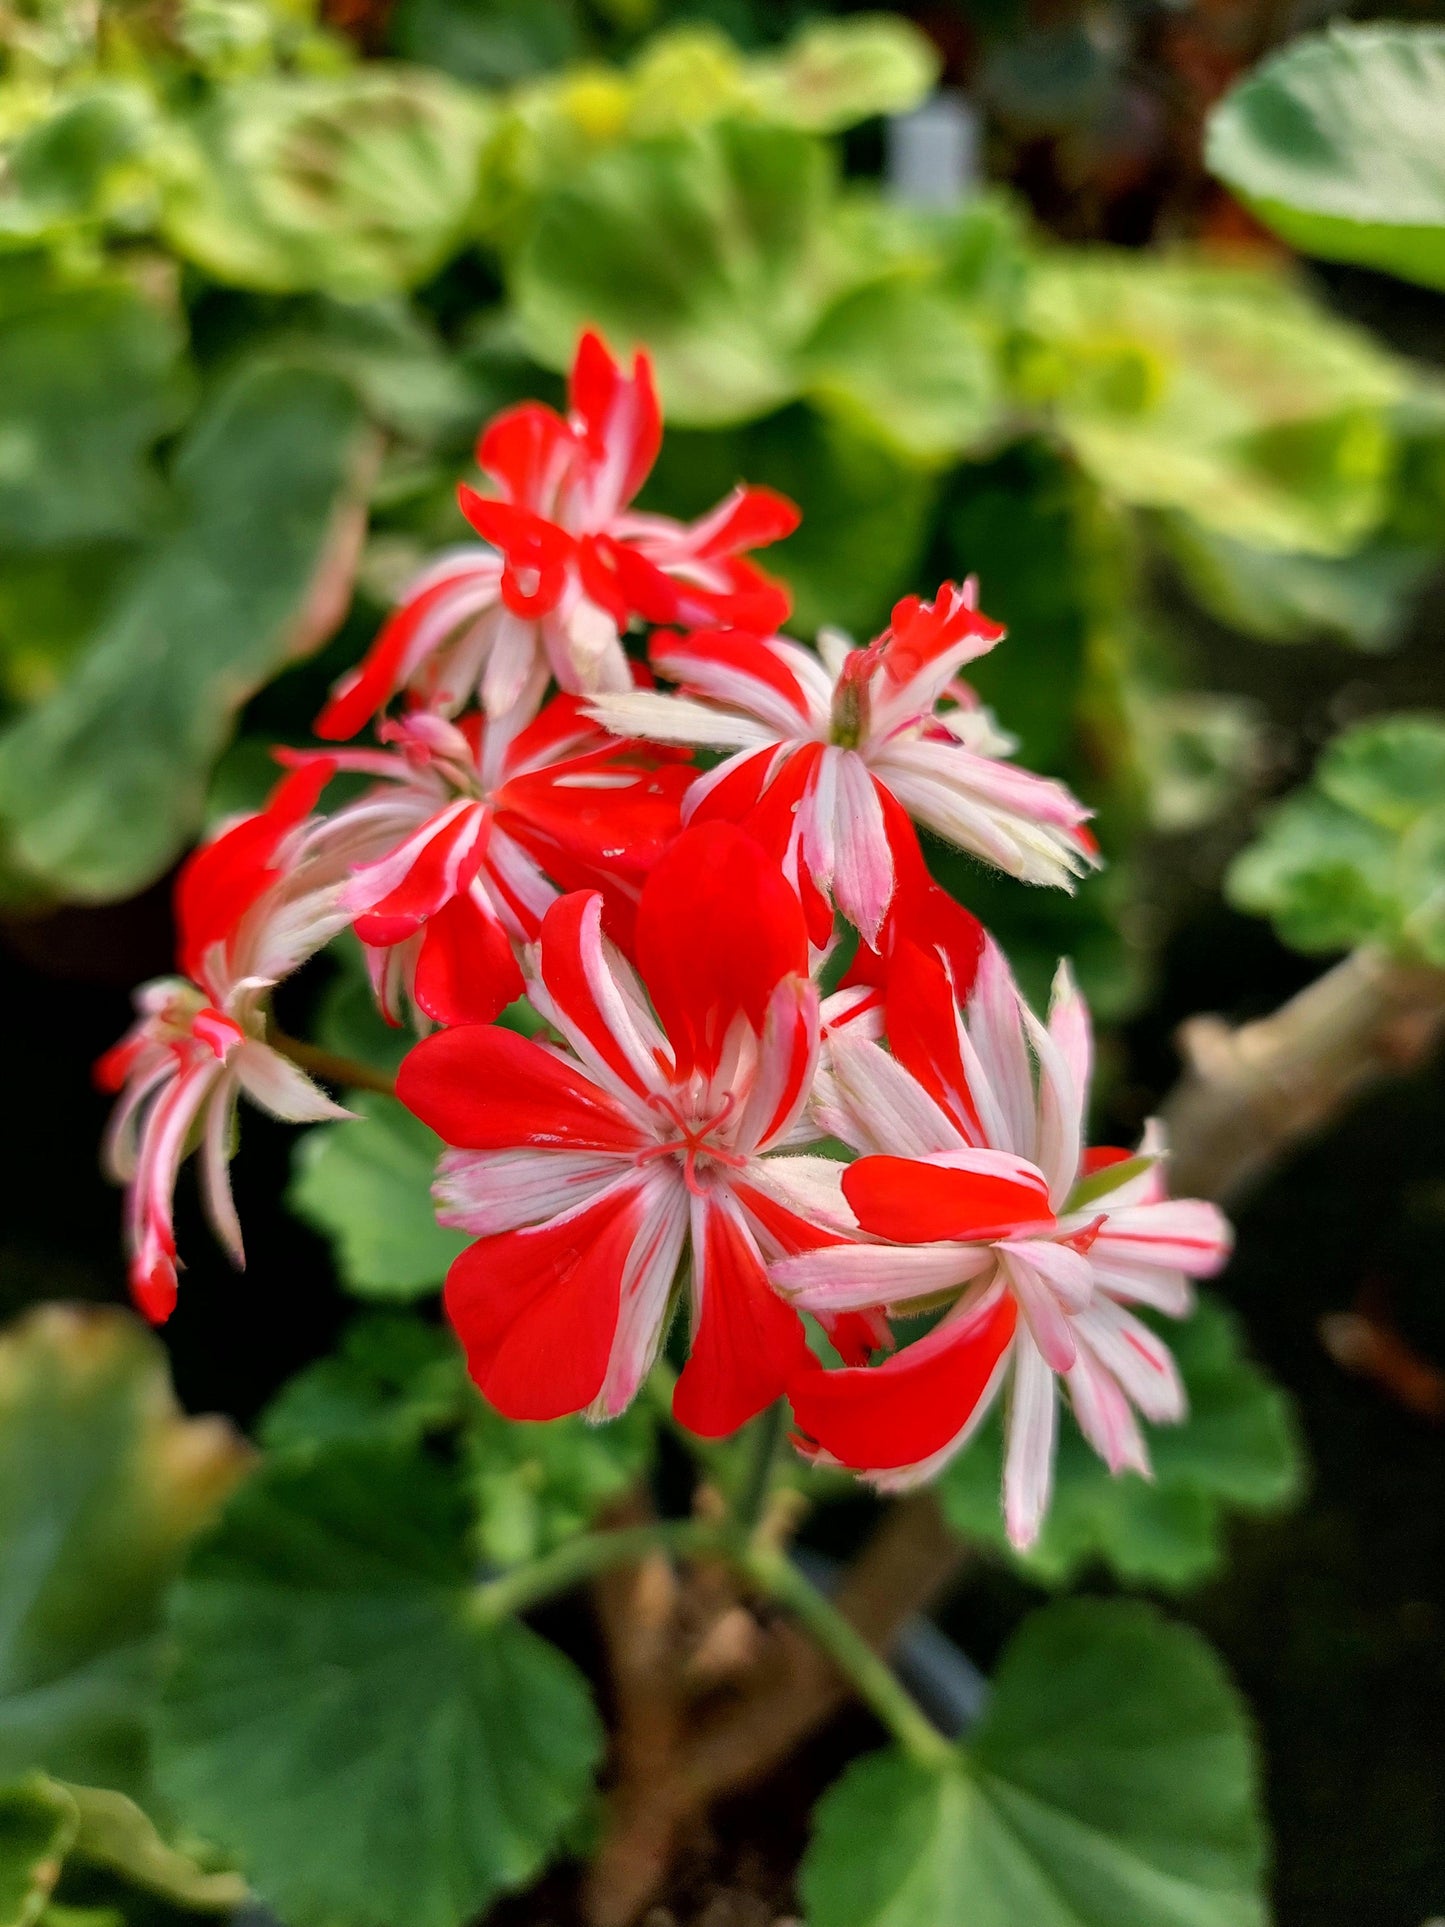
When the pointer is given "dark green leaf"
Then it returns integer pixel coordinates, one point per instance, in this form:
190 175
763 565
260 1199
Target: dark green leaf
366 1185
535 1485
1111 1783
394 1378
101 786
488 42
102 1485
341 1718
1335 143
1237 1450
37 1825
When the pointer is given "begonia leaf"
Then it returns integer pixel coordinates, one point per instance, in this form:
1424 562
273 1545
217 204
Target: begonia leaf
343 1719
1112 1782
102 784
1358 855
1334 142
1221 391
103 1484
366 1184
358 183
1237 1451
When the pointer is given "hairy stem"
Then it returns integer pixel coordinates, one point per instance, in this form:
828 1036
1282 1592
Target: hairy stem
348 1073
1248 1096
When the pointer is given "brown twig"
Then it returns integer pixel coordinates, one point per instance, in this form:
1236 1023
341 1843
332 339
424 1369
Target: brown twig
1249 1096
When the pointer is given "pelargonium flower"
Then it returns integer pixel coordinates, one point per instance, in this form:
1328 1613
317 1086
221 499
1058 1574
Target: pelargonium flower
824 744
567 561
459 850
977 1188
590 1167
250 907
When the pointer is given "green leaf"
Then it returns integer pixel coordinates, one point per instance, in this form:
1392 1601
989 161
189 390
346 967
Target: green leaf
1220 391
1236 1451
37 1826
101 785
367 1186
489 43
394 1378
1335 144
1362 598
102 1485
358 183
1358 856
341 1719
838 72
1112 1783
707 248
535 1485
112 1833
79 165
910 364
90 378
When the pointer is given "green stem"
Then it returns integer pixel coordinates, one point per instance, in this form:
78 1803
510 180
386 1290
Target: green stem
770 1431
332 1068
771 1572
872 1678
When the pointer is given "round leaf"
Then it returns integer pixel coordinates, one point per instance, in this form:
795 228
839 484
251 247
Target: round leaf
341 1720
1336 143
1111 1783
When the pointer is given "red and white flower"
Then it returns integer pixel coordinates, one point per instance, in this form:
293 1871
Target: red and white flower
458 852
590 1167
250 908
834 752
567 562
976 1187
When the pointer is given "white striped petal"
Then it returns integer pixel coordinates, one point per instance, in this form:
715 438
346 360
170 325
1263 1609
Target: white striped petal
1028 1472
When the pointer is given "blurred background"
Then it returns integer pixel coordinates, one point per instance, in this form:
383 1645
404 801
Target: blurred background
956 279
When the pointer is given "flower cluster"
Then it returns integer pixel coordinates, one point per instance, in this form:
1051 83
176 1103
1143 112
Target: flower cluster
671 1130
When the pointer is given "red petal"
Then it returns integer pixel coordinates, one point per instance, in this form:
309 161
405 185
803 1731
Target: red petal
903 1411
748 1344
444 866
482 1088
465 972
921 631
614 815
525 450
756 517
915 1203
575 972
717 930
220 882
922 1028
856 1335
620 415
535 548
357 696
536 1310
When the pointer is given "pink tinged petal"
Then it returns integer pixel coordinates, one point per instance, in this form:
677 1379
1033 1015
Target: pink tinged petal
675 719
1028 1472
808 1187
747 1344
1071 1028
489 1191
1167 1291
282 1088
593 998
817 818
740 672
216 1195
1141 1362
1179 1234
1106 1418
514 678
646 1293
886 1108
852 1277
1068 1275
1061 1115
996 1029
787 1059
1021 823
1045 1317
864 878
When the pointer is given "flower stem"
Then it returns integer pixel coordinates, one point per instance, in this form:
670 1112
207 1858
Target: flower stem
769 1435
332 1068
763 1567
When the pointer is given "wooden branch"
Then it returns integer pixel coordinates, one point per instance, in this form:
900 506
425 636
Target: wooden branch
1250 1095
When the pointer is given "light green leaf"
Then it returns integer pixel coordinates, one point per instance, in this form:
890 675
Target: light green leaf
101 785
1111 1783
1220 391
1358 855
102 1485
1237 1450
366 1185
90 378
340 1718
37 1826
80 164
114 1834
394 1378
838 72
911 364
1335 143
358 183
706 248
